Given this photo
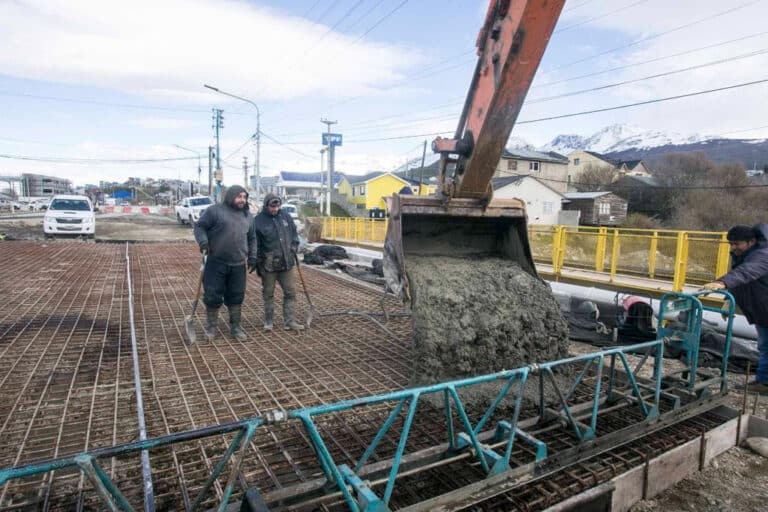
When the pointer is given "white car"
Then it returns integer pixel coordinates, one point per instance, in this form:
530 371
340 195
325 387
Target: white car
70 215
190 209
291 210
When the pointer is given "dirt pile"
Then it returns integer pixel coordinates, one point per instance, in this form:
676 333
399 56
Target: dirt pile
478 316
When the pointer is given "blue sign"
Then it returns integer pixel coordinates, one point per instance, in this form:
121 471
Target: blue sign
335 139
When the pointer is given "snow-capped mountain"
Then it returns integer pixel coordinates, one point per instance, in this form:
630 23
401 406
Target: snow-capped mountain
618 137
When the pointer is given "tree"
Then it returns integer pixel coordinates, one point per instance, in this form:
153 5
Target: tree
595 178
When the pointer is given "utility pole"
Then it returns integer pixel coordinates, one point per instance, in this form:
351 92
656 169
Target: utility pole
331 162
210 171
421 174
218 124
245 172
322 169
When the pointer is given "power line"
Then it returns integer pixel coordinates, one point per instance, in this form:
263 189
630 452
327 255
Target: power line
246 141
660 34
96 160
365 14
569 27
306 13
656 59
286 146
577 6
654 187
329 9
647 102
650 77
380 21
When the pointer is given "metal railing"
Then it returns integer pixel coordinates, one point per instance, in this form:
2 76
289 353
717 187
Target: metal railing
678 257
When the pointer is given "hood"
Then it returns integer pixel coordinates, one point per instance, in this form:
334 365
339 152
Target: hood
232 192
267 198
761 233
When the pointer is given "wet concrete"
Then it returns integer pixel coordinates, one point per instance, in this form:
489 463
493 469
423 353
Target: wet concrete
478 316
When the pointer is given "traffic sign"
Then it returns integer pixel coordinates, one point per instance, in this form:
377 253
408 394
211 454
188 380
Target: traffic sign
335 138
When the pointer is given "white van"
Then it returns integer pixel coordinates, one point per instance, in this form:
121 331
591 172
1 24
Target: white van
70 215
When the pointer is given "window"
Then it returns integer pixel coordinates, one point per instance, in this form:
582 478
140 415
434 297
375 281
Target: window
604 208
362 190
533 166
576 161
547 207
511 165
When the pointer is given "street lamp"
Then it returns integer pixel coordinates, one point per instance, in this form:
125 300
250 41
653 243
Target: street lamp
323 188
199 167
258 134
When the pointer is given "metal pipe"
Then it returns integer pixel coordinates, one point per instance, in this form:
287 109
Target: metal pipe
146 469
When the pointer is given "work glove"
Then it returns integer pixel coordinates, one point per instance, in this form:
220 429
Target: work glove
715 285
204 247
252 264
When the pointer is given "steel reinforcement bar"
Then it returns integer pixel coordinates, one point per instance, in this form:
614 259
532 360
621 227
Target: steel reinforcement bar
470 439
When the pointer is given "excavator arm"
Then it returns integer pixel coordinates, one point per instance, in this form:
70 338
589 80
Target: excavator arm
464 221
509 48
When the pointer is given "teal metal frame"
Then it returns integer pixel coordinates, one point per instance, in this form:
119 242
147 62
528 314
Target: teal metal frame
466 438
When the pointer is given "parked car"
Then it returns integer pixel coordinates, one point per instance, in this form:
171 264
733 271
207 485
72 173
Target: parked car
291 210
189 209
70 215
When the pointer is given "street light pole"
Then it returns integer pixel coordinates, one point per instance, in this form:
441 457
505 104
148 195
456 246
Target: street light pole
258 135
322 180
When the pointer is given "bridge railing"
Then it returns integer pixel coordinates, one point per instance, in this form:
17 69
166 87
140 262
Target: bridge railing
679 257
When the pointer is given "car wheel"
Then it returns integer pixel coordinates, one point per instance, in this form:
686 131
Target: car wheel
191 222
178 218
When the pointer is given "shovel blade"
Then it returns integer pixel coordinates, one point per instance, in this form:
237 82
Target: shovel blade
189 327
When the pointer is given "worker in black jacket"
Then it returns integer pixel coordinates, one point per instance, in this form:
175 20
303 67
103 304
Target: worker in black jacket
748 283
277 242
225 232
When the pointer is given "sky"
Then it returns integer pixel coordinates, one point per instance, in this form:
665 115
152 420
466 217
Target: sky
105 90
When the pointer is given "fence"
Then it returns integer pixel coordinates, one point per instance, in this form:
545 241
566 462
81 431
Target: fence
679 257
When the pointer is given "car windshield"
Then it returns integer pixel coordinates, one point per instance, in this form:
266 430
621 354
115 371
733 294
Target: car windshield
289 208
80 205
199 201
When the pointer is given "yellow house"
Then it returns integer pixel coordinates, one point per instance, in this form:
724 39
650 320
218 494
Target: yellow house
368 191
426 189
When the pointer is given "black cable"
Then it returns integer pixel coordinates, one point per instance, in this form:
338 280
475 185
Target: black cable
95 160
380 21
654 36
569 27
286 146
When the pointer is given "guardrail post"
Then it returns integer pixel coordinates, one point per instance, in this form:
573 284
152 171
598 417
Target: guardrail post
602 233
652 254
723 257
614 254
558 249
681 261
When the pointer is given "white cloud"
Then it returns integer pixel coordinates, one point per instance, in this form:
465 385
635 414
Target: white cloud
162 123
168 50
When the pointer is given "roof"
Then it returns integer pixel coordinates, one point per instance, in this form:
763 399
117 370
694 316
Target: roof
499 183
526 154
309 177
585 195
648 181
602 157
365 177
631 164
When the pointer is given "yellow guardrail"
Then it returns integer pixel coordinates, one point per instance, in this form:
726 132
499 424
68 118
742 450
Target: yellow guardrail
679 257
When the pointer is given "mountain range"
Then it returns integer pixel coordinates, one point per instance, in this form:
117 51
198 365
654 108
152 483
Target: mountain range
626 142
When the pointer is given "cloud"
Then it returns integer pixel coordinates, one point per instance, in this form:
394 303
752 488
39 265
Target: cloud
168 50
162 123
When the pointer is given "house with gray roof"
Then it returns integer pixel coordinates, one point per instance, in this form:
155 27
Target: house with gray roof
550 168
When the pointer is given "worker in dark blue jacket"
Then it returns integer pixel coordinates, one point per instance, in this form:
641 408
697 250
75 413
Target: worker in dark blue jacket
748 283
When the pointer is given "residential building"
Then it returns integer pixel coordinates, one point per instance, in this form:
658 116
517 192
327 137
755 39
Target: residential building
597 208
550 168
634 168
543 203
304 185
643 195
582 159
39 185
367 191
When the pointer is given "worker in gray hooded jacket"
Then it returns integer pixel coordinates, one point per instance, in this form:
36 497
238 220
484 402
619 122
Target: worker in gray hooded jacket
225 232
277 242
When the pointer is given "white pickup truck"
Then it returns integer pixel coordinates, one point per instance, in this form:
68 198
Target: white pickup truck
189 209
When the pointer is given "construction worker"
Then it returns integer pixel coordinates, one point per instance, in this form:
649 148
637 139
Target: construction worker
225 233
748 283
277 242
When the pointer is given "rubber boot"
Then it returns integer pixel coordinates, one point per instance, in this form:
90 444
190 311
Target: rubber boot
211 317
290 321
269 314
234 323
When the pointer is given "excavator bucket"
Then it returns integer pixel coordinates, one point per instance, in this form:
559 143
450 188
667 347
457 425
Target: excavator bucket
461 228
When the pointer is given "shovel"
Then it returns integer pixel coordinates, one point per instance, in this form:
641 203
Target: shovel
311 311
189 321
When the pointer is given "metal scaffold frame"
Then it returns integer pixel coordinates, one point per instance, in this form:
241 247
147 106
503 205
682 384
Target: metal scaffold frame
489 445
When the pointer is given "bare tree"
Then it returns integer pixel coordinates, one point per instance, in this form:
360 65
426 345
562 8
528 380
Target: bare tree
595 178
